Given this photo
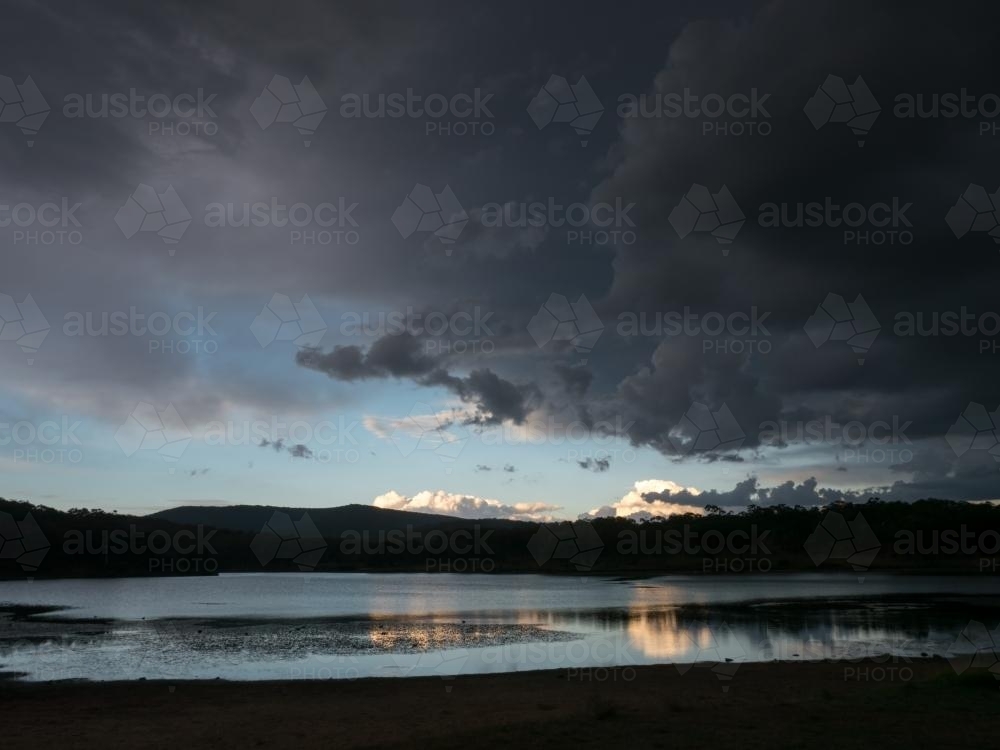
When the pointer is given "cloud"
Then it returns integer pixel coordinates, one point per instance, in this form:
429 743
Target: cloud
782 49
465 506
496 399
575 379
295 450
649 498
396 356
507 468
788 271
596 465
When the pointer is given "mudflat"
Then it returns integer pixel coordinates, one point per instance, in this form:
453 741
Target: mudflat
886 704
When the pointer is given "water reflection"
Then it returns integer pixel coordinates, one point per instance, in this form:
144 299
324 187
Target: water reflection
354 626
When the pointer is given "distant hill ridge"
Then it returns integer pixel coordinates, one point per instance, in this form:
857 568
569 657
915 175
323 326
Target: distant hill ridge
923 536
330 522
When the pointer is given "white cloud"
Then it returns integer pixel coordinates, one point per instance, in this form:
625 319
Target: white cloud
465 506
634 505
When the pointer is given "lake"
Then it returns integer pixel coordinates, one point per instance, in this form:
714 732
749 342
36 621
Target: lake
344 626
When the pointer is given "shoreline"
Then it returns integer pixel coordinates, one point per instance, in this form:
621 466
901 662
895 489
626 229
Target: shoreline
623 574
895 703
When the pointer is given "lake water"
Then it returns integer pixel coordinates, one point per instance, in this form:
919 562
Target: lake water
343 626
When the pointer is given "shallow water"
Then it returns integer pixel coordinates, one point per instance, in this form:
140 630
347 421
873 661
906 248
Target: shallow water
329 626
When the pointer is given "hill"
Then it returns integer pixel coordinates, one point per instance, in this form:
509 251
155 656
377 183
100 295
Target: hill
330 522
925 536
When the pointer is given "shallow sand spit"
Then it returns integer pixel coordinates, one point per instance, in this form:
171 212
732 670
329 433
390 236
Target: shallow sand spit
911 704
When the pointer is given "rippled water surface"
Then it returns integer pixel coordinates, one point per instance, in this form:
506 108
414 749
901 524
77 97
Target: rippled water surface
329 626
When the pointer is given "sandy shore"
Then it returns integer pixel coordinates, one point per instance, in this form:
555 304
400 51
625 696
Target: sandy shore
815 705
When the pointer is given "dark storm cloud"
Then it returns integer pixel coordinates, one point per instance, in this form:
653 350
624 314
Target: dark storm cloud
576 380
394 356
784 50
497 400
788 271
88 53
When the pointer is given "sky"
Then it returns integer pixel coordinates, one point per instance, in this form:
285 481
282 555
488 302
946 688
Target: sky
524 261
